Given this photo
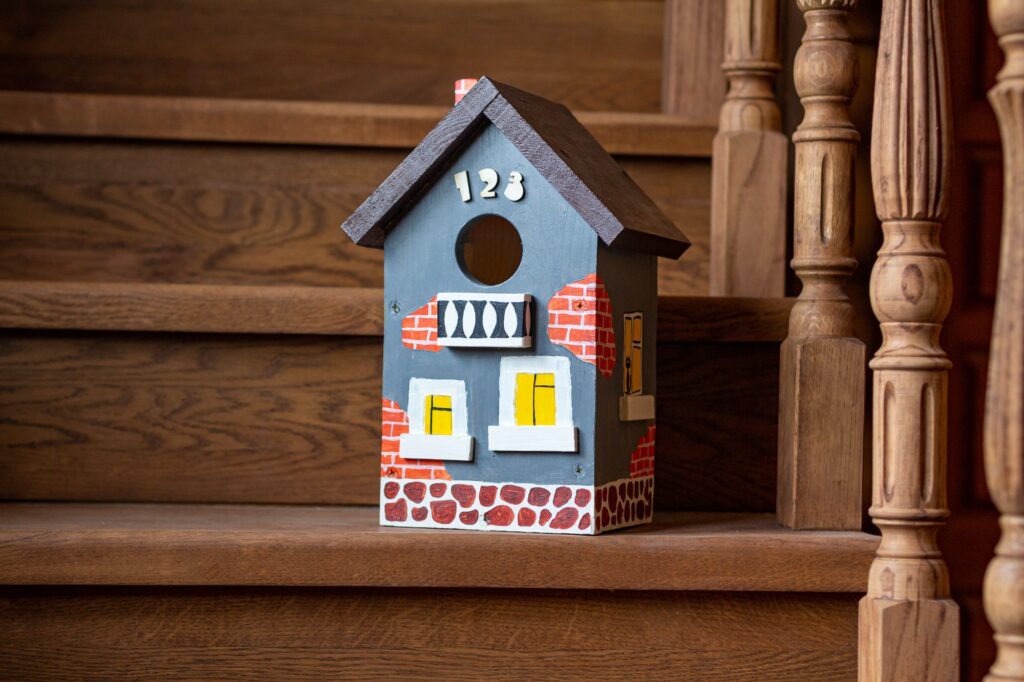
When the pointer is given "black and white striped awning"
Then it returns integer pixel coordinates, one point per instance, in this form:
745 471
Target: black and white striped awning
484 320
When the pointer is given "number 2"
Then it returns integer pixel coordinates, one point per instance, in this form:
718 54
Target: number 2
489 177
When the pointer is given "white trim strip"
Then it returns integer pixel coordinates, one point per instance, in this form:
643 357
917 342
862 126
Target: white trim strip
532 438
500 298
421 446
519 342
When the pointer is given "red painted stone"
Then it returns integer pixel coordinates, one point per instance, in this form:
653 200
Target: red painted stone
415 491
545 516
605 517
391 489
395 511
622 490
562 495
566 518
613 497
513 494
443 511
465 494
527 517
437 489
499 516
582 497
487 494
470 517
585 522
539 497
419 513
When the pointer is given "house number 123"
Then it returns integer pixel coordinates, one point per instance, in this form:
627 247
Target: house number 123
513 189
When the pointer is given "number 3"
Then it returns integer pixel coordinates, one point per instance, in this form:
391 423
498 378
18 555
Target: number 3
514 190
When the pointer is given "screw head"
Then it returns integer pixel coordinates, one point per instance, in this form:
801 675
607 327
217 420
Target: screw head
396 309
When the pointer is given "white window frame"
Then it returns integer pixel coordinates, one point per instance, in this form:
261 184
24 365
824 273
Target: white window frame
417 444
507 436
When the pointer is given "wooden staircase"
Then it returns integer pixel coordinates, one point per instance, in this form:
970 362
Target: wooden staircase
190 364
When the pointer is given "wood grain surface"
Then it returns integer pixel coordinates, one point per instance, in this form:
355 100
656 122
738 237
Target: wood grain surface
1004 409
351 311
399 126
254 418
822 395
692 83
750 167
909 624
99 211
291 634
118 544
608 52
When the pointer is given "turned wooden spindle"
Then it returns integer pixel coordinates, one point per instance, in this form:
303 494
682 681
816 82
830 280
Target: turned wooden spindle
1004 404
748 183
909 627
821 408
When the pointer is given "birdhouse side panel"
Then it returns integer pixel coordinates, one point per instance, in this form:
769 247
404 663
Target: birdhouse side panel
625 425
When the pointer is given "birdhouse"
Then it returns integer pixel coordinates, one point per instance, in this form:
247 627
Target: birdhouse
520 285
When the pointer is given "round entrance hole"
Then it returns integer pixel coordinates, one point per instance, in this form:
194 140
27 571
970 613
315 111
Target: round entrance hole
489 250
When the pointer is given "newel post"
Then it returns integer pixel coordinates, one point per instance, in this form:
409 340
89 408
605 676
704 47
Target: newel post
909 626
1004 404
821 397
748 182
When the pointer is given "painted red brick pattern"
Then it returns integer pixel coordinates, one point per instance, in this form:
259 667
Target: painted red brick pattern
628 502
419 328
641 462
394 422
580 318
486 506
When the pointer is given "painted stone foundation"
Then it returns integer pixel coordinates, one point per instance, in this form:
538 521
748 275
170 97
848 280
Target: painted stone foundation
474 505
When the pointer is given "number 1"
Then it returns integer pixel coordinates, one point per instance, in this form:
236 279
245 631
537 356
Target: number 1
462 182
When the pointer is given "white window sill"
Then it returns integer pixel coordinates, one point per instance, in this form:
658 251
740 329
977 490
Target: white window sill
636 407
532 438
425 446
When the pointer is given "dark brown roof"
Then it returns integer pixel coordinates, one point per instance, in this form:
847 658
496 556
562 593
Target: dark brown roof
550 138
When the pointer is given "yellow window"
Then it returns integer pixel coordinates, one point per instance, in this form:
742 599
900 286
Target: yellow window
437 415
535 399
632 351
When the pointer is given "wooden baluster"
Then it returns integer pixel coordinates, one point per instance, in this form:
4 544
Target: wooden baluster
692 85
909 627
821 408
1004 405
748 184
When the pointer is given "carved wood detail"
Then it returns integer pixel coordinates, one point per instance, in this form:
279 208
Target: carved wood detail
821 413
750 158
909 627
1004 404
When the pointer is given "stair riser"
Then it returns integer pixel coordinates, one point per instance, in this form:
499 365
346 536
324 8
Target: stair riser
137 211
296 419
169 634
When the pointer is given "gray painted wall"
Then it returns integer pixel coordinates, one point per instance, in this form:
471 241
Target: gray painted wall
558 248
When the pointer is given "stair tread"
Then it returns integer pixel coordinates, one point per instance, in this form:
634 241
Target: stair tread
304 122
178 544
210 308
